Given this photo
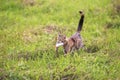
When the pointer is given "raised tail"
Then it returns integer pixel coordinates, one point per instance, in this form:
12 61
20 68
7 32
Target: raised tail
80 21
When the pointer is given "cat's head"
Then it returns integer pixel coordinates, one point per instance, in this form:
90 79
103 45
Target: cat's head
61 40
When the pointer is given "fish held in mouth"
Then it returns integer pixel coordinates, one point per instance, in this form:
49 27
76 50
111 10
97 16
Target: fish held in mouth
59 44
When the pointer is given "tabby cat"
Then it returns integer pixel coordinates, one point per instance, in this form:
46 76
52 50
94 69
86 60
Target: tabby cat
74 42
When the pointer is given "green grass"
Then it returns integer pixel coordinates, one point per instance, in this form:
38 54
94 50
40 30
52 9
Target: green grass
28 32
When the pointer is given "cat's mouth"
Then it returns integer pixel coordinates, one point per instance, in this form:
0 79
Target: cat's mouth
59 44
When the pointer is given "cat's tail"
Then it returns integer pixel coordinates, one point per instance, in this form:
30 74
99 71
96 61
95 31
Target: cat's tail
80 21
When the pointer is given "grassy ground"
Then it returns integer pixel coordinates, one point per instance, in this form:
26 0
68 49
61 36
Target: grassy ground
28 29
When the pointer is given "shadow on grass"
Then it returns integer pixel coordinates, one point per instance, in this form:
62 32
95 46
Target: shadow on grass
92 49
